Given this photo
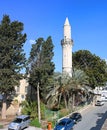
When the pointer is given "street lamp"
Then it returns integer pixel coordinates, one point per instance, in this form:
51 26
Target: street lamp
38 99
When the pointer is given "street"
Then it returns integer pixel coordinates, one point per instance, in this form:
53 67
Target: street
93 118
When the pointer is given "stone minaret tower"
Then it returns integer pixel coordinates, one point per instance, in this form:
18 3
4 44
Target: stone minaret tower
67 43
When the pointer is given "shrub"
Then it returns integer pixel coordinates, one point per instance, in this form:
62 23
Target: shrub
35 123
29 108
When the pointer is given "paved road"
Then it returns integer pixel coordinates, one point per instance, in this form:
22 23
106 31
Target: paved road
93 118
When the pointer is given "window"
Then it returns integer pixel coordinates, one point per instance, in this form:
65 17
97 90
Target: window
22 96
17 89
26 89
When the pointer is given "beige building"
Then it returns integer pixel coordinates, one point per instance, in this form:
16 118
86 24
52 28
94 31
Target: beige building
21 93
22 90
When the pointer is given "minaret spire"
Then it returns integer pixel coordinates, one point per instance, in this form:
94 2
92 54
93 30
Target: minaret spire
67 43
67 21
67 29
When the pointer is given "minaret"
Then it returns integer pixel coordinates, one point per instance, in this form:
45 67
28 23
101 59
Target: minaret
67 44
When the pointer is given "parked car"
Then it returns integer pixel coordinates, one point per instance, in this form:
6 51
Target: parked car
76 117
19 123
104 98
99 103
65 124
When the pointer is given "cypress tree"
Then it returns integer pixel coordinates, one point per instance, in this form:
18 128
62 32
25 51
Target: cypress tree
41 64
12 58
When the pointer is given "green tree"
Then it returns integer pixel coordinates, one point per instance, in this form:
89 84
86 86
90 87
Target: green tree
12 57
41 66
92 65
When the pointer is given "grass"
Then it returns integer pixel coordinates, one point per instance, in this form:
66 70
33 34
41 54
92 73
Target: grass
36 123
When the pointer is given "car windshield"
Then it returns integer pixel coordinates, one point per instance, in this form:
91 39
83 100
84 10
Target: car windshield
17 120
62 123
74 115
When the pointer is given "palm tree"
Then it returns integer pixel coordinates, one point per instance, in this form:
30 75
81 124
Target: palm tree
78 82
60 90
64 86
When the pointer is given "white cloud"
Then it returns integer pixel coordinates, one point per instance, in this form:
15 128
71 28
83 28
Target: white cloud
32 41
106 61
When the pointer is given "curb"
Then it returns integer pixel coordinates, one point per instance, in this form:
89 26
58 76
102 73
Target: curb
85 107
80 110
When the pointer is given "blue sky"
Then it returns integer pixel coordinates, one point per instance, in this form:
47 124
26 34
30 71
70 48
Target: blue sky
43 18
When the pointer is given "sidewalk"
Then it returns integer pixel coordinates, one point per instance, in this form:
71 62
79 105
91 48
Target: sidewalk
29 128
5 124
104 127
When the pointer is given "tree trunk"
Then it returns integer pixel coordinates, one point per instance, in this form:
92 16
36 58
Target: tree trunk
4 110
65 102
59 100
73 101
4 106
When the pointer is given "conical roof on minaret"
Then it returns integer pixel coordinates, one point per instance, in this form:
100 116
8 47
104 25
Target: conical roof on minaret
66 21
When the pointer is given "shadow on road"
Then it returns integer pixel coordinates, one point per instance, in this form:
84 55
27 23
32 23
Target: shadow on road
100 121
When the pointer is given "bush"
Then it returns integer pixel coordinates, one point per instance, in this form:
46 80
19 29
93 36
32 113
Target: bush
63 112
1 126
35 123
29 108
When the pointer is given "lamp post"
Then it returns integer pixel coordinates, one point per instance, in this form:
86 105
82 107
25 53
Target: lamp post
38 99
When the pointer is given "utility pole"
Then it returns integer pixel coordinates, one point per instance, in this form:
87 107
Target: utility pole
38 99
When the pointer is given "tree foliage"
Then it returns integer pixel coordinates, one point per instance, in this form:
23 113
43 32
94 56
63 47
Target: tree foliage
59 91
92 65
41 66
79 79
12 57
64 87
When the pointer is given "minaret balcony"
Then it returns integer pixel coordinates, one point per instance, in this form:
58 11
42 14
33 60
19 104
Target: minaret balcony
66 41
